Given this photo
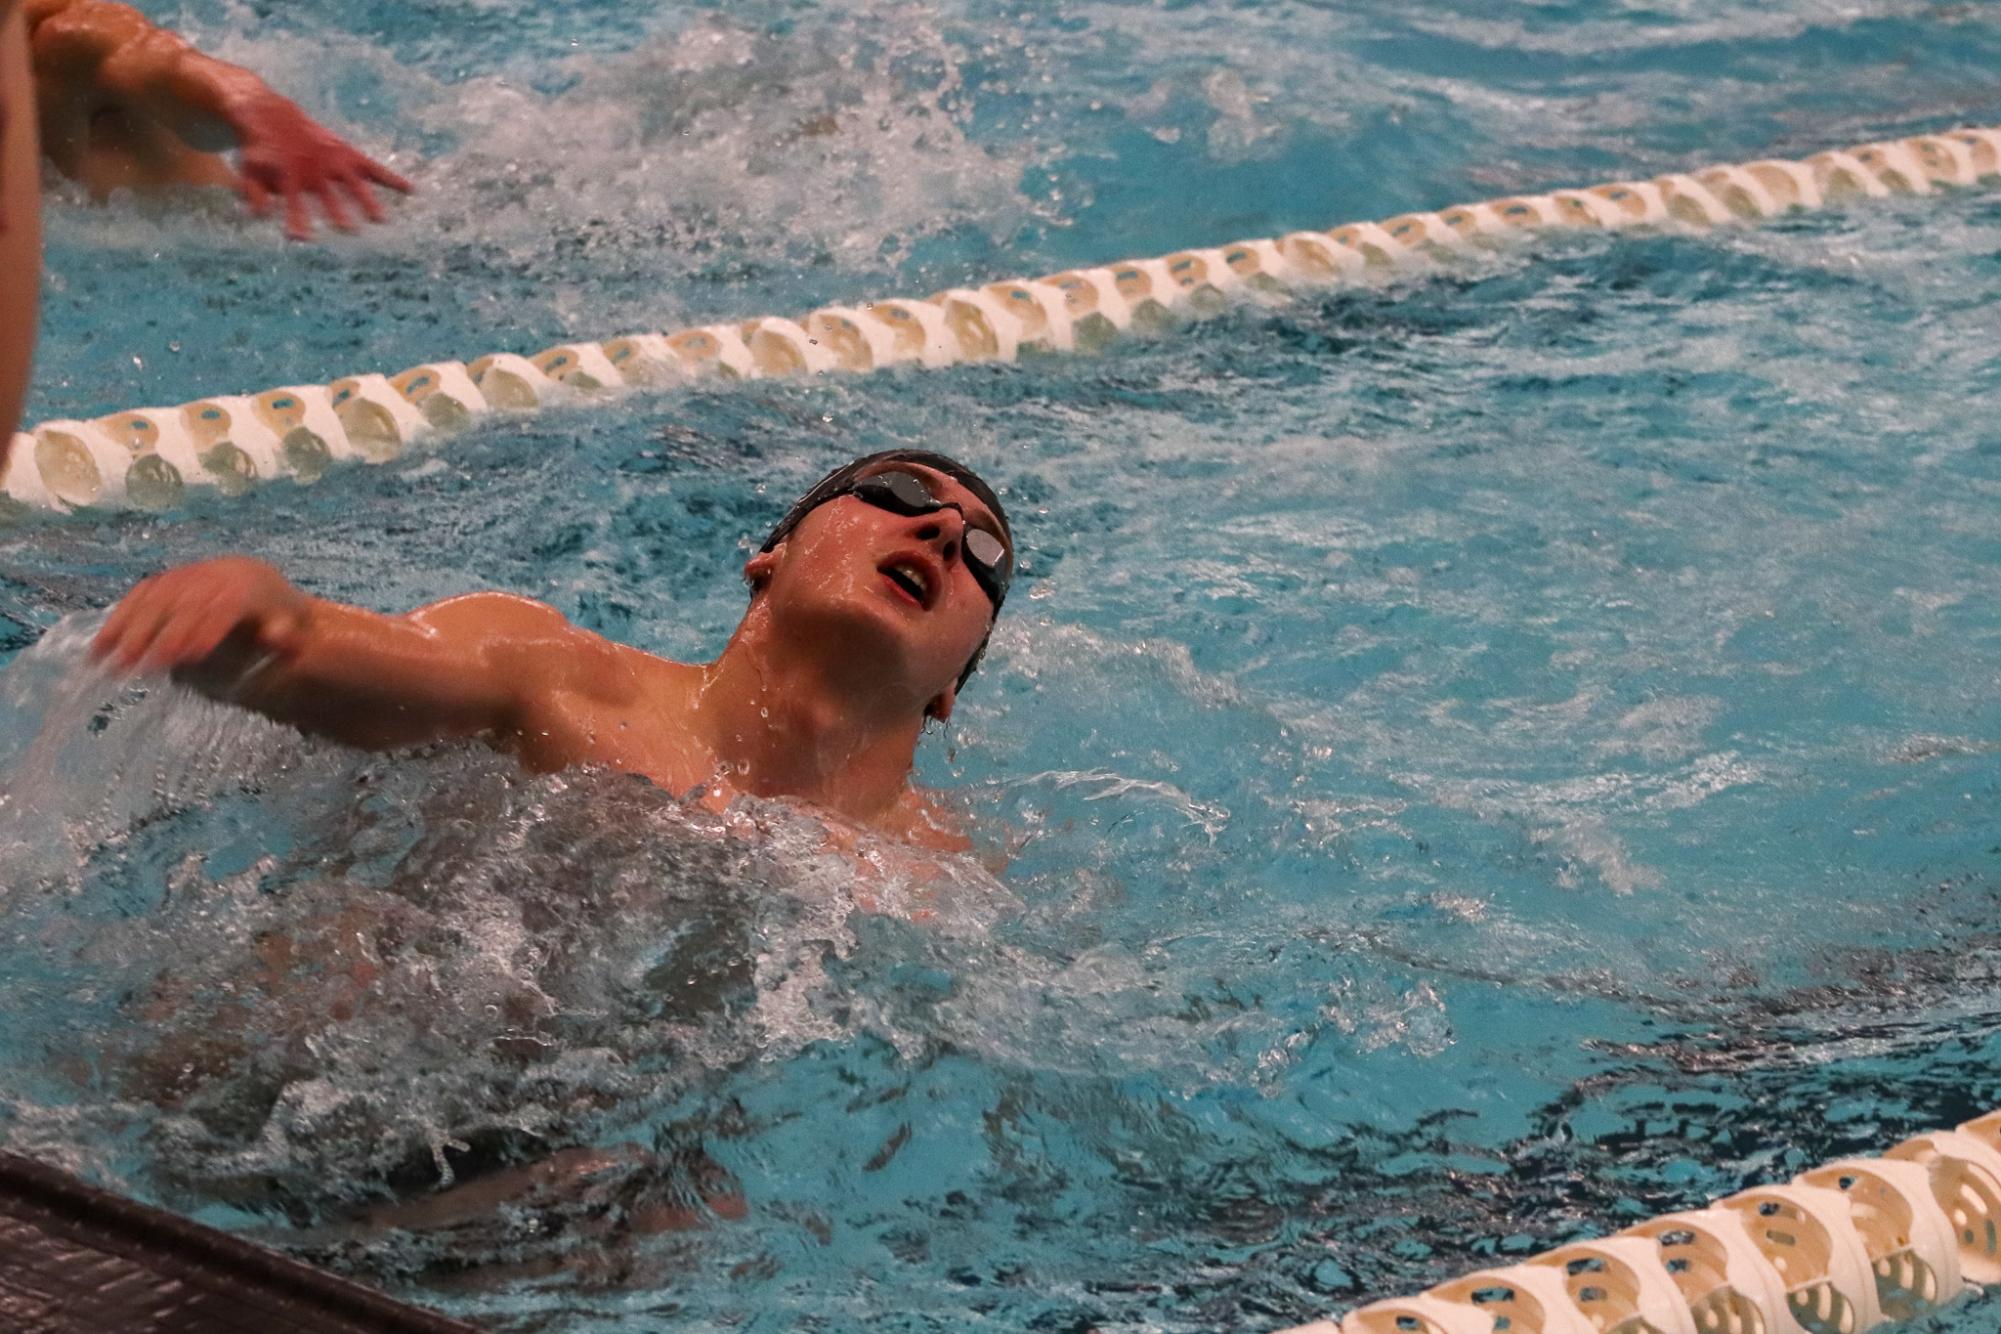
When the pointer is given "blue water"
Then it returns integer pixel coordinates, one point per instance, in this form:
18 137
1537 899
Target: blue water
1482 761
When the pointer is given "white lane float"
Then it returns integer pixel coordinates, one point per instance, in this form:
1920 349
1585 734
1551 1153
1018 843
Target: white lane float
1859 1244
148 457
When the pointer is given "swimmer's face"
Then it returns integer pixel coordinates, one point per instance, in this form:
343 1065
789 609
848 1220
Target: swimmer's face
900 580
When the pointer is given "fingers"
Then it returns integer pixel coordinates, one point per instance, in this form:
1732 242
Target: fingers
255 197
168 621
146 612
338 177
119 625
358 189
336 210
298 221
381 175
341 191
188 638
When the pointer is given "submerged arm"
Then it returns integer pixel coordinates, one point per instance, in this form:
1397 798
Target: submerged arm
235 630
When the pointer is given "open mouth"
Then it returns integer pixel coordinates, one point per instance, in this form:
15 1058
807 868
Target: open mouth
911 579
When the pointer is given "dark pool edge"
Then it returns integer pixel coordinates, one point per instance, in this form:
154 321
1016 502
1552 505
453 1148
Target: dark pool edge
73 1256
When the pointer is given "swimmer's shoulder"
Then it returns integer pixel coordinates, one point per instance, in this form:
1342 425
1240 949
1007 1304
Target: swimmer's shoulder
505 621
672 687
76 35
38 12
540 641
921 820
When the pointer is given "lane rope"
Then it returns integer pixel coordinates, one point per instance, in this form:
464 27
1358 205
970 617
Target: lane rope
146 458
1844 1248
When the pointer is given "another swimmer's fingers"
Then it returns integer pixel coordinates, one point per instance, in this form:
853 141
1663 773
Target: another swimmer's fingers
298 222
336 211
255 197
358 189
381 175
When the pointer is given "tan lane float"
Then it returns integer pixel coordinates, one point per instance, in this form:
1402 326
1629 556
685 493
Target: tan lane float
146 457
1841 1249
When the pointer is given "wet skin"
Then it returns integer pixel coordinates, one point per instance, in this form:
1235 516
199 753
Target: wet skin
20 221
859 624
127 105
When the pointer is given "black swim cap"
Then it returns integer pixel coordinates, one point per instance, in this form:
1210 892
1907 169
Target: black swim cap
838 481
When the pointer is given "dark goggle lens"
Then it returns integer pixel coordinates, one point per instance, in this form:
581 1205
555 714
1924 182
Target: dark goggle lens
988 550
907 489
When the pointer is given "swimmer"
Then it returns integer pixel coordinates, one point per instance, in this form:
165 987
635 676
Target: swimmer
127 105
870 606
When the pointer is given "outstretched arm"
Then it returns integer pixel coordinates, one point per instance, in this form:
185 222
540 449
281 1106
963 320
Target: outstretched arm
237 631
96 56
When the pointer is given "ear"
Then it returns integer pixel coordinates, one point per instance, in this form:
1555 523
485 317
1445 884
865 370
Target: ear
941 706
757 571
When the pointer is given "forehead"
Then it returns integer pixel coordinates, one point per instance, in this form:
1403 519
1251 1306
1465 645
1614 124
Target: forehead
946 487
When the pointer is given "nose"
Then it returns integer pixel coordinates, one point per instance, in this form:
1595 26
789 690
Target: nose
945 528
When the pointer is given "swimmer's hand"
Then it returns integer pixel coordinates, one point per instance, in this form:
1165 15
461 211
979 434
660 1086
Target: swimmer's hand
284 152
184 618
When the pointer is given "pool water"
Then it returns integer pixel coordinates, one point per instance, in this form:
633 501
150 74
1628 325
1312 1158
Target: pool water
1479 761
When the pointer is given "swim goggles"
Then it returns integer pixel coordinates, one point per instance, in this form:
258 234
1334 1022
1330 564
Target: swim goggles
907 494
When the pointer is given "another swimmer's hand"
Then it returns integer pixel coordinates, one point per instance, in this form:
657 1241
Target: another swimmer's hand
182 618
284 152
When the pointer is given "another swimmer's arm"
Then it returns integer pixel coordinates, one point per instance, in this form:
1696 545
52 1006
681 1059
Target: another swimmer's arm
110 51
236 630
113 51
8 74
20 221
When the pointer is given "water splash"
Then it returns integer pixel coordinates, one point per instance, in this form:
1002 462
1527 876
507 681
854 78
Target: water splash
316 981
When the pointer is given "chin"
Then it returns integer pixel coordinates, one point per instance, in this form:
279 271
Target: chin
871 622
862 621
